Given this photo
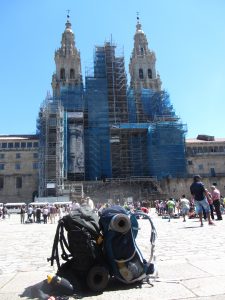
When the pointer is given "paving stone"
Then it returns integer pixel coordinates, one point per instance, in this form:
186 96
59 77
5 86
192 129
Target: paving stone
190 260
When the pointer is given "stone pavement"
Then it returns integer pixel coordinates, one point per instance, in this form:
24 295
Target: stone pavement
190 261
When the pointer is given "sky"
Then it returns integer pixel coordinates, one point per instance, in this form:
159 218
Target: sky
187 36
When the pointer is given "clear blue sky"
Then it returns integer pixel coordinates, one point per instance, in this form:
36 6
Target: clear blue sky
188 37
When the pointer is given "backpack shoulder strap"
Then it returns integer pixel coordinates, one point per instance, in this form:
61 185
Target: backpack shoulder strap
55 252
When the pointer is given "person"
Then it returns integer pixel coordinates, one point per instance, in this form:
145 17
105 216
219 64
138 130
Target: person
197 190
4 212
52 213
45 214
75 205
90 203
177 206
184 207
29 212
34 213
210 201
216 201
22 214
170 206
60 211
38 214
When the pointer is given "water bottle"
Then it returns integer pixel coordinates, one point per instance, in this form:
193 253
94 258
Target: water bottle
125 272
62 285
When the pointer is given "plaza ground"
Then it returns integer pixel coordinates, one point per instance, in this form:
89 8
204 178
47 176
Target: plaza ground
190 261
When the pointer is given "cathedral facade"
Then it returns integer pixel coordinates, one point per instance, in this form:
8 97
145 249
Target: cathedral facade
106 128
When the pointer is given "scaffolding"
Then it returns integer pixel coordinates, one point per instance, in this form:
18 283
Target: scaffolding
166 149
129 155
50 126
106 104
146 105
121 125
125 133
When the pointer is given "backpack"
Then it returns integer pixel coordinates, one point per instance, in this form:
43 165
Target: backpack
124 259
81 248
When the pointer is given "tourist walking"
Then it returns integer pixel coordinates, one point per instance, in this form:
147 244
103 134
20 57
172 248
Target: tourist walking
216 202
170 207
197 189
184 207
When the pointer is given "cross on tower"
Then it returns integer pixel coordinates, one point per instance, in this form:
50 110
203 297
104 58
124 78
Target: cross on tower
137 16
68 13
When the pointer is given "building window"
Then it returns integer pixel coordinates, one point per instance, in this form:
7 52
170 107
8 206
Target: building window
212 172
35 155
18 155
62 73
200 167
18 182
2 166
72 74
29 145
189 162
150 73
23 145
2 155
35 166
35 144
142 51
4 145
141 75
17 145
10 145
17 166
1 182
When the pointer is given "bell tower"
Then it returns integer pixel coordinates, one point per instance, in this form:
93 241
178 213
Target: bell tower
142 63
67 60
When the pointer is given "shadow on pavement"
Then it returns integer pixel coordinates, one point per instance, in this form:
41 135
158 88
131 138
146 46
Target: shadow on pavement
43 291
187 227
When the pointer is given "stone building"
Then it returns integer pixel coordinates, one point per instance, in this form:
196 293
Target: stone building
18 168
206 156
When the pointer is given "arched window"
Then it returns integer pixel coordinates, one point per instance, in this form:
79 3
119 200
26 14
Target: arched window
62 73
141 75
150 73
142 51
72 74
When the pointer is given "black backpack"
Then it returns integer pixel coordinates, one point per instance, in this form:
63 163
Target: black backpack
82 249
82 245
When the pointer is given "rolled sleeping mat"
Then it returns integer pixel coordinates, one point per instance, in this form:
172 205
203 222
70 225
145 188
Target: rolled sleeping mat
120 223
97 278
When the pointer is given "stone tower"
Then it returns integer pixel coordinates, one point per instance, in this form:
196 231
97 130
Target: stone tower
68 64
142 63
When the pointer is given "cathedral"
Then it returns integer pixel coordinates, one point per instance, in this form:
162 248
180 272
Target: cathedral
105 128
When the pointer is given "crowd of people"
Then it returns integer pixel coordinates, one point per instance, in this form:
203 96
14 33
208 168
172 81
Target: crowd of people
48 213
203 203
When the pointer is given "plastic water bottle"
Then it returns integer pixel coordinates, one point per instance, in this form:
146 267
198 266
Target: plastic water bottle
62 285
125 272
133 268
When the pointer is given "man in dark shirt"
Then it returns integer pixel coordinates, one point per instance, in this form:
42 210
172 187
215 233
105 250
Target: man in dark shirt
198 192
